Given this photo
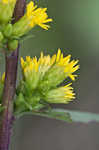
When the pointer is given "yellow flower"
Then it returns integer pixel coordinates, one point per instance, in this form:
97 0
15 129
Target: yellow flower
48 71
62 94
41 17
37 16
69 67
44 63
33 16
32 65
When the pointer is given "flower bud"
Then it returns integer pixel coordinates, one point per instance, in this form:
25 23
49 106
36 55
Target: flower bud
33 16
62 94
12 45
8 30
6 10
5 13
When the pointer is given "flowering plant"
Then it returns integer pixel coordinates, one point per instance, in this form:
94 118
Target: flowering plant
41 81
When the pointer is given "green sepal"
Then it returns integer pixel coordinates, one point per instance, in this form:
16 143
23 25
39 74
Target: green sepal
19 103
23 104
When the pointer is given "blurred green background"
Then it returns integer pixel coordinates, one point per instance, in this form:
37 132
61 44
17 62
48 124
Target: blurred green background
75 29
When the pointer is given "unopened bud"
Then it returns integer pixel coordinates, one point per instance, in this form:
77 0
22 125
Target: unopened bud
12 45
6 10
8 30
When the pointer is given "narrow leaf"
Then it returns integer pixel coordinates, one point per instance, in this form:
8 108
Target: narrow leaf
66 115
77 116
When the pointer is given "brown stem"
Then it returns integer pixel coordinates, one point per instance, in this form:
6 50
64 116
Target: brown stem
9 87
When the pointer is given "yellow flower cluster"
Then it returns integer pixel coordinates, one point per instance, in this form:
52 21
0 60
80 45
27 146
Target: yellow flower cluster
49 72
45 62
37 16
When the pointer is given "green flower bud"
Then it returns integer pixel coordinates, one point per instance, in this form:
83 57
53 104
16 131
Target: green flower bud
62 94
5 13
8 30
6 10
13 44
1 36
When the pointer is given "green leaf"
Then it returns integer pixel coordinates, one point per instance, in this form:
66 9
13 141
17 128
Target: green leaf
77 116
55 115
66 115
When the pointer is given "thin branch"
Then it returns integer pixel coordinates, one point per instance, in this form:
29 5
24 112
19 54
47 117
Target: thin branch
9 87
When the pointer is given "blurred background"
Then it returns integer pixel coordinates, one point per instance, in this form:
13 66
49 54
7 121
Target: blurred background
75 29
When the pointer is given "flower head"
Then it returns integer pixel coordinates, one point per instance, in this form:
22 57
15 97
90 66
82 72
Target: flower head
37 16
62 94
48 71
69 66
33 16
41 79
60 68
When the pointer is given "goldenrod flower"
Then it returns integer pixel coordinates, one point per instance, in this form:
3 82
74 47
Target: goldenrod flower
60 68
32 65
37 16
33 16
69 67
41 79
62 94
48 71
